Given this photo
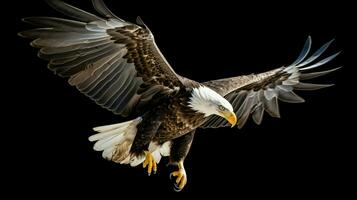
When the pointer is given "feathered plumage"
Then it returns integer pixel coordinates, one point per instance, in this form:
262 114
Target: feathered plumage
118 65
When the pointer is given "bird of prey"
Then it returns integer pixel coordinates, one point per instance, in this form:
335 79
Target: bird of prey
118 65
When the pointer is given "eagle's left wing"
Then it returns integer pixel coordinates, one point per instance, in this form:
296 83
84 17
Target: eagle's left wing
254 94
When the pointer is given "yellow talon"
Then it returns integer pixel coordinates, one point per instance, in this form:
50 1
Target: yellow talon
150 163
181 178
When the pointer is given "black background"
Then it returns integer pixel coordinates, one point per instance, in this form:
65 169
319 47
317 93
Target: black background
306 152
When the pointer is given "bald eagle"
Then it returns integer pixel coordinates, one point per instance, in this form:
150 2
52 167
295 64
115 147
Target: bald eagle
118 65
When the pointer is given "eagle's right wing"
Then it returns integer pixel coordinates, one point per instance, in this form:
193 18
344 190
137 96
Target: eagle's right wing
254 94
115 63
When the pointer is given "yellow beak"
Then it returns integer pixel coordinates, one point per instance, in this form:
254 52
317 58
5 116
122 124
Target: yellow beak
230 117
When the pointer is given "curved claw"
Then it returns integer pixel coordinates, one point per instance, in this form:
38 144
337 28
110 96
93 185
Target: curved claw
181 177
150 163
177 189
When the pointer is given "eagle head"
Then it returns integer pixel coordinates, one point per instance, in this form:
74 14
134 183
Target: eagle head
209 102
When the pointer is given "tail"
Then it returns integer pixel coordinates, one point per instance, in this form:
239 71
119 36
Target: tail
115 141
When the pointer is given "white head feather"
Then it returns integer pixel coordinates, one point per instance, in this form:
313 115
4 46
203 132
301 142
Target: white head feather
207 101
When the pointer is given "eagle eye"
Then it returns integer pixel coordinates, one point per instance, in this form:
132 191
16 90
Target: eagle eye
221 108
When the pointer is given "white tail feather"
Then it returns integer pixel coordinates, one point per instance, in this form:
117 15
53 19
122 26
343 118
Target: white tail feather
111 127
115 141
165 148
135 161
113 137
105 134
109 142
126 160
108 153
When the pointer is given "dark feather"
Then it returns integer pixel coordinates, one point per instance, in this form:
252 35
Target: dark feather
101 8
316 54
72 11
258 113
328 59
310 86
58 23
290 97
304 52
102 72
105 80
307 76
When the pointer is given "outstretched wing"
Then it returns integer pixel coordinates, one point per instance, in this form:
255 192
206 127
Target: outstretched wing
254 94
115 63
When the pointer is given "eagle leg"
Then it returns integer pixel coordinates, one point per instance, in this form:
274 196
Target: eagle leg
181 177
146 132
150 163
179 150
